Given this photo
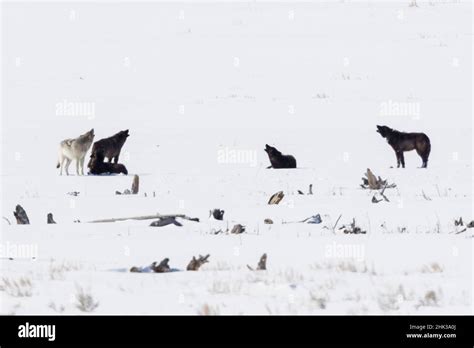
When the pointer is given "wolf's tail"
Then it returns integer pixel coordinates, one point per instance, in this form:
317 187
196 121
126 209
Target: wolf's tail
58 165
428 147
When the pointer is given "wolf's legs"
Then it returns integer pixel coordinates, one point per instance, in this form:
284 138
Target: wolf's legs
61 160
78 161
398 158
425 162
81 165
116 159
402 159
68 162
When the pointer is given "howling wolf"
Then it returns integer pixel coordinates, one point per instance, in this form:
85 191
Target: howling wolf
401 142
75 149
97 166
110 147
278 160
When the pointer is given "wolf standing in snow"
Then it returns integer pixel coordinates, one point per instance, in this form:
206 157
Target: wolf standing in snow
75 149
401 142
110 147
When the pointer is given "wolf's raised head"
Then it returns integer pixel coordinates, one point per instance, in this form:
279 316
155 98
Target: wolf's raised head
88 136
123 134
384 131
120 137
271 151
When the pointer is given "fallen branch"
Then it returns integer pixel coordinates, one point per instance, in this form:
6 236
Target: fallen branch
276 198
50 219
382 193
165 221
262 264
21 216
162 267
146 217
352 228
237 229
134 190
375 200
315 219
373 183
195 264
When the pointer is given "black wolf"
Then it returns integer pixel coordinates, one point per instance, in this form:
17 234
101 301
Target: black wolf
401 142
110 147
278 160
97 166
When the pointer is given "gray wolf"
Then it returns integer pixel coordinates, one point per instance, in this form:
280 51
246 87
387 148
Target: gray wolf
75 149
278 160
401 142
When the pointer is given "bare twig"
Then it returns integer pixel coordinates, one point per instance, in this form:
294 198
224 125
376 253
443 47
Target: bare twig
135 184
335 225
425 196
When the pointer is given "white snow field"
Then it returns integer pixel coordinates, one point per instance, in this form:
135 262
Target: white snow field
202 87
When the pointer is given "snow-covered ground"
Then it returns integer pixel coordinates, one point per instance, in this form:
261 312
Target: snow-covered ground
202 88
